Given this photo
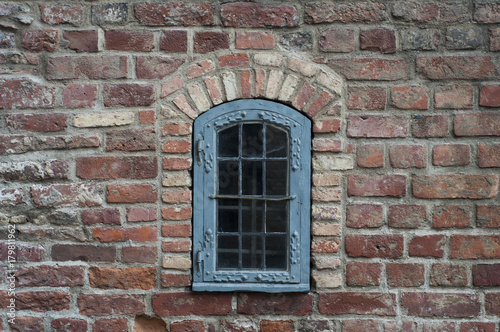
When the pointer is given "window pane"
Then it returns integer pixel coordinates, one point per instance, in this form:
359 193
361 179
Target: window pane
228 215
252 140
252 252
276 252
276 142
277 216
276 177
252 215
227 252
251 177
228 177
228 142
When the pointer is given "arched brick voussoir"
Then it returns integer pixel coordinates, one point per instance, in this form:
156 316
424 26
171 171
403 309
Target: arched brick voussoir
307 86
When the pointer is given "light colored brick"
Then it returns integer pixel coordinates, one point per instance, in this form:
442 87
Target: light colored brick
331 82
288 88
327 280
273 84
265 59
182 103
302 67
176 262
229 81
177 179
103 119
332 163
322 262
326 229
199 98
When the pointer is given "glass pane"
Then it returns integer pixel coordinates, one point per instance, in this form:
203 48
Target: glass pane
252 215
251 177
252 140
228 215
276 177
227 252
228 142
252 252
228 177
276 252
277 216
276 142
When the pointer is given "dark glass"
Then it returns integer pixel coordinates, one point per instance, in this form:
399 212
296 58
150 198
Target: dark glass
276 178
227 252
251 177
276 142
252 145
276 249
252 215
276 216
229 142
251 252
228 215
228 177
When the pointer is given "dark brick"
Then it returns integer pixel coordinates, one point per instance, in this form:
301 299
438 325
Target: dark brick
359 303
275 304
441 304
365 12
420 39
82 40
174 13
128 94
174 41
258 15
131 140
183 304
486 275
378 40
86 253
205 42
104 305
48 122
464 38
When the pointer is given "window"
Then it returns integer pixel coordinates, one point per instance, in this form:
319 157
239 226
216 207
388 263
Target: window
251 198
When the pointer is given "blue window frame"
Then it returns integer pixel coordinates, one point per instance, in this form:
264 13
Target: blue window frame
251 220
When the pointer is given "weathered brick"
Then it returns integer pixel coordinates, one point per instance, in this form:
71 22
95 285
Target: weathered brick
490 96
365 12
109 13
405 275
233 60
10 196
176 196
87 253
448 275
37 122
275 304
378 40
377 185
200 68
42 301
176 213
408 156
442 326
454 96
174 13
424 12
104 305
82 40
174 41
69 324
475 246
144 255
7 40
477 326
132 193
464 38
359 303
448 216
477 124
110 119
409 97
441 304
34 171
486 275
451 155
455 186
488 216
87 67
326 180
116 167
79 95
364 215
187 325
495 40
353 325
254 40
50 276
40 40
253 15
137 214
430 126
363 274
370 155
427 246
176 164
177 179
326 126
175 280
492 304
276 325
129 40
127 94
131 140
176 230
376 126
420 39
25 94
327 145
29 253
156 67
407 216
110 324
366 97
103 216
25 324
487 12
456 67
206 41
325 246
61 14
67 142
129 278
175 304
386 246
338 40
299 41
75 194
371 69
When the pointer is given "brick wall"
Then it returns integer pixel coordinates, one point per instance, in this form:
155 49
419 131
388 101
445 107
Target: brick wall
97 101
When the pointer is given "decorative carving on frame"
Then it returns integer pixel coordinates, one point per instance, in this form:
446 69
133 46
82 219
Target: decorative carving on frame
273 277
295 153
225 120
230 277
295 248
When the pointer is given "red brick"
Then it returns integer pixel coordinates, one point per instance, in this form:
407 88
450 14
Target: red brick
132 193
86 253
477 124
37 122
448 275
275 304
430 126
67 324
277 325
258 15
376 126
492 304
477 326
488 155
146 323
451 155
370 155
384 246
427 246
378 40
176 196
260 78
40 40
183 304
494 40
75 194
145 255
50 276
141 234
326 126
57 14
136 167
455 186
110 325
108 234
326 195
147 116
355 325
363 274
130 278
486 275
488 216
487 12
200 68
441 304
82 40
172 85
176 146
175 280
105 305
409 98
131 140
210 41
174 213
377 185
453 96
451 216
359 303
67 142
187 325
338 40
174 41
327 145
87 67
136 214
174 13
27 324
303 96
405 275
176 230
365 12
439 326
79 96
364 215
29 253
408 156
325 246
103 216
233 60
25 94
176 164
126 94
371 69
366 97
456 67
246 86
176 246
407 216
254 40
41 301
475 246
156 67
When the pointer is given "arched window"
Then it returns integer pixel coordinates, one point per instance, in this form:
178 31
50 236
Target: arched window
251 198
